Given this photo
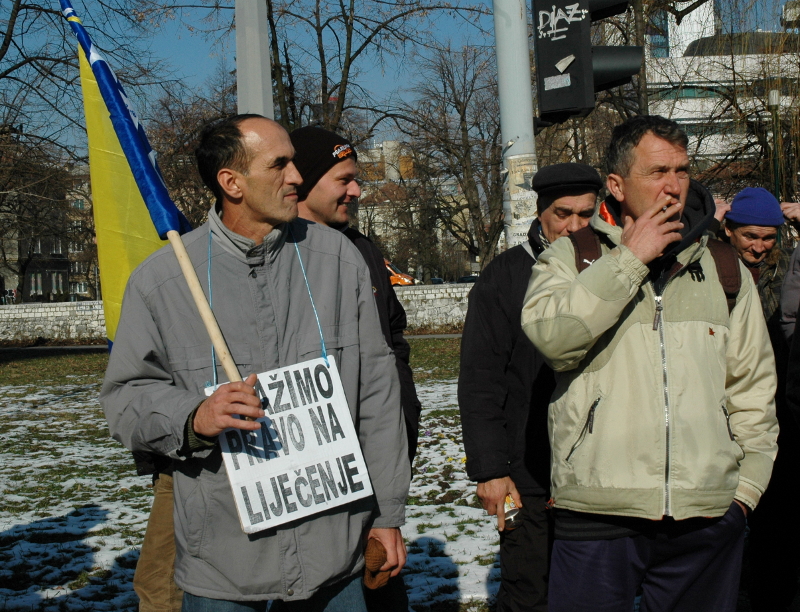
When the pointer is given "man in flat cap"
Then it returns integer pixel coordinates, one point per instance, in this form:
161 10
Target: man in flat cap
327 163
504 389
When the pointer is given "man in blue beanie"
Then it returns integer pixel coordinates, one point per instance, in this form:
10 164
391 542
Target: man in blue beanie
752 226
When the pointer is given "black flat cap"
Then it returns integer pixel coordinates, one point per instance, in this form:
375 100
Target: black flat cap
567 177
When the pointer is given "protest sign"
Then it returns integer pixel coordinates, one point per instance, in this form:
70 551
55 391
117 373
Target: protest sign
306 457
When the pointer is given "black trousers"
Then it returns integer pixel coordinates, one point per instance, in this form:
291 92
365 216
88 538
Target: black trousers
389 598
525 559
681 566
773 546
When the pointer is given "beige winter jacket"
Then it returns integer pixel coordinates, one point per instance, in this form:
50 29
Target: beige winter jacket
669 415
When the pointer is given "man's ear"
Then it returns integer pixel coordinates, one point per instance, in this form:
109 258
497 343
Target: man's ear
228 183
728 232
616 186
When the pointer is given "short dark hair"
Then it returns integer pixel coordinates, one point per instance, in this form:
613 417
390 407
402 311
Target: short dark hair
221 147
626 136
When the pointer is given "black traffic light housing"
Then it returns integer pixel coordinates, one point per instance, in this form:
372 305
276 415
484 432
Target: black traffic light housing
569 70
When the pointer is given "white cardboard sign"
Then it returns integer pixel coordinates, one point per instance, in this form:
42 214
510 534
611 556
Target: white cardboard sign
306 457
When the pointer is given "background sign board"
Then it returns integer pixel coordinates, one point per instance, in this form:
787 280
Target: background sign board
306 457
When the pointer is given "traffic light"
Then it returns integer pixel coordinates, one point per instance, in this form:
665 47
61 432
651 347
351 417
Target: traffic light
569 70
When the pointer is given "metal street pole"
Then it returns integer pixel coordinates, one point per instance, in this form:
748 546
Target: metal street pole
516 117
253 68
774 103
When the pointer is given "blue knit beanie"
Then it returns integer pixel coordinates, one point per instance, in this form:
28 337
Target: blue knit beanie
755 206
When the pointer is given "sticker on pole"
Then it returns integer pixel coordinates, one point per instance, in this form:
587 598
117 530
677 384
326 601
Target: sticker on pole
306 457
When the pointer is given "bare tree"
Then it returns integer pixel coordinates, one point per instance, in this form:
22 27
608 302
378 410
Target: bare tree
174 127
33 207
319 49
39 86
452 131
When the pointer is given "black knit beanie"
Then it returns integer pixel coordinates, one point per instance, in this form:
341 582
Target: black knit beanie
316 151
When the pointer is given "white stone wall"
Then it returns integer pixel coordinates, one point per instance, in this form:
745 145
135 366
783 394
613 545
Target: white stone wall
427 306
58 321
431 306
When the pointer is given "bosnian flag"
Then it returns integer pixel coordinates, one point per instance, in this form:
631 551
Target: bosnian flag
132 208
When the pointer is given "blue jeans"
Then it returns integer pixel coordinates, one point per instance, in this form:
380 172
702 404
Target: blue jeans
344 596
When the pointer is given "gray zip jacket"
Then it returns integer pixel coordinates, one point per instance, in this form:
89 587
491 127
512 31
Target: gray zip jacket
161 362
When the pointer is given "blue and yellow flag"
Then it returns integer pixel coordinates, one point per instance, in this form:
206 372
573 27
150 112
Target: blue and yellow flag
132 208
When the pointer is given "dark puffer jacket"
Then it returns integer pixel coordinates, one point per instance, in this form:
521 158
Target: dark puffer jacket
393 324
504 387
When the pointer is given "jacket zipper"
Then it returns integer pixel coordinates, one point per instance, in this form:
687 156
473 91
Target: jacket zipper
657 325
728 423
587 426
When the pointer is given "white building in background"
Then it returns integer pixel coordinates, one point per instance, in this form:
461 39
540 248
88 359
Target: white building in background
672 39
713 76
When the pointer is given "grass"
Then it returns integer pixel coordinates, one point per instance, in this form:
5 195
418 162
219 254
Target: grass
431 359
435 358
57 367
65 511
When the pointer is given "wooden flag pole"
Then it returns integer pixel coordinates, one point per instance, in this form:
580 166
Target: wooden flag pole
220 346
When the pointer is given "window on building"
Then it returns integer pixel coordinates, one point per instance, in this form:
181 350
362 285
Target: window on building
36 284
37 246
79 204
57 246
658 32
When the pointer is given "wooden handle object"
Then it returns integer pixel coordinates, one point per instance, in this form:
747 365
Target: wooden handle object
201 302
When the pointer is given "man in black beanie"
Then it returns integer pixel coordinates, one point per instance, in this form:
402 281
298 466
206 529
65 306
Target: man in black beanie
327 163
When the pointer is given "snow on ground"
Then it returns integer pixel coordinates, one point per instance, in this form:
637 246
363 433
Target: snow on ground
73 512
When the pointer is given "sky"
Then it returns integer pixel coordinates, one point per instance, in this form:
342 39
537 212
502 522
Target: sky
195 59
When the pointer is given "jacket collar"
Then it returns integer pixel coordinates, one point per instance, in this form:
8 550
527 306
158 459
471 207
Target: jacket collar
535 237
245 248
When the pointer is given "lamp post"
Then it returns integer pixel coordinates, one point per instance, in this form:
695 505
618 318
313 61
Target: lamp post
253 70
773 103
516 117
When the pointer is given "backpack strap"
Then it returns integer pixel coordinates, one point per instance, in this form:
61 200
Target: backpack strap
728 270
587 247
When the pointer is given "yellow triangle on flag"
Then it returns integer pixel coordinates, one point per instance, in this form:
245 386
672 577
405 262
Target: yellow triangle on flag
124 230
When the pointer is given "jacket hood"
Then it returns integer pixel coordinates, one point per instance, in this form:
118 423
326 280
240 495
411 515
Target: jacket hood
697 216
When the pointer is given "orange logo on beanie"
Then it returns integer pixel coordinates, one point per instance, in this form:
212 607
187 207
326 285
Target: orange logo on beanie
343 150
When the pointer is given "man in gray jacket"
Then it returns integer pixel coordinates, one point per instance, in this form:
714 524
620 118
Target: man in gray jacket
278 284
